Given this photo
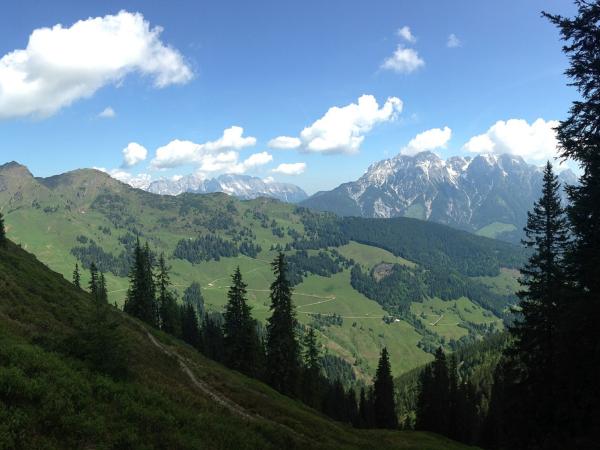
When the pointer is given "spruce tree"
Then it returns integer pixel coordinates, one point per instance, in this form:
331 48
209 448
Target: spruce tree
102 294
541 305
578 399
193 295
190 331
239 330
212 337
312 368
383 394
168 310
76 276
94 283
141 295
282 346
2 231
433 405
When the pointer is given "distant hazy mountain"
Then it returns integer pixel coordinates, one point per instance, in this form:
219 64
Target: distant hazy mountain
241 186
487 194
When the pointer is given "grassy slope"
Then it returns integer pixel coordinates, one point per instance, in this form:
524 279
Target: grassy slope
48 400
51 234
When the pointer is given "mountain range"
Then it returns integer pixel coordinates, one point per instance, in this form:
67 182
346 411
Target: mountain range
487 194
242 186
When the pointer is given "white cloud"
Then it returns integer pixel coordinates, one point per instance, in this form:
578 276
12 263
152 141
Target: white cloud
290 168
107 113
453 41
285 143
428 140
61 65
342 129
257 159
404 60
223 150
133 154
406 34
536 143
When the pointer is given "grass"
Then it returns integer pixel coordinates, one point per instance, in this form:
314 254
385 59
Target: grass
49 400
495 229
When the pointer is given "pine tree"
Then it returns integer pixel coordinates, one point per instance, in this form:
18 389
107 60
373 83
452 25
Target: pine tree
433 405
541 305
2 231
94 283
102 294
190 331
311 374
239 330
141 295
168 310
282 346
212 337
193 295
383 394
578 400
76 276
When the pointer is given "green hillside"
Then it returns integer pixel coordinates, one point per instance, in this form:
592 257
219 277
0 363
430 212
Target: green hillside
86 216
171 397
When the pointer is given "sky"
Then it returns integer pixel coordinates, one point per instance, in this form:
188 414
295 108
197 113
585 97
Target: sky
308 92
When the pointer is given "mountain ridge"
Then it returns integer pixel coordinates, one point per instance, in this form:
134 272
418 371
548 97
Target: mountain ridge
493 191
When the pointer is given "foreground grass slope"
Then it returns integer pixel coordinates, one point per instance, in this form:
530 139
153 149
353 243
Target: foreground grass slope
49 400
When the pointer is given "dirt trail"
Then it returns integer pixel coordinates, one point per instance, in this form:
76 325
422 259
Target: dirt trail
201 385
217 397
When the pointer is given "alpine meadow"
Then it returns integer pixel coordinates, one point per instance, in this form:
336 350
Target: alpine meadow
340 225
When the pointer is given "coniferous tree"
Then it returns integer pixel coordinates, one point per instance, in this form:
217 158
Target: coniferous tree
102 294
282 346
168 310
239 330
535 333
193 295
141 295
212 337
2 231
76 276
383 394
312 368
577 400
433 406
94 283
190 331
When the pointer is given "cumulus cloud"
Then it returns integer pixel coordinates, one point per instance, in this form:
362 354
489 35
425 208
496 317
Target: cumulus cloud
343 129
535 143
453 41
107 113
428 140
406 34
290 168
285 143
133 154
63 64
222 151
404 60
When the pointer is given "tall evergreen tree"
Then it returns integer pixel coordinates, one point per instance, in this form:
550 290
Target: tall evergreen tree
239 330
542 300
141 295
433 405
94 283
311 375
383 394
193 295
190 331
578 398
76 276
282 346
168 310
212 337
2 230
102 295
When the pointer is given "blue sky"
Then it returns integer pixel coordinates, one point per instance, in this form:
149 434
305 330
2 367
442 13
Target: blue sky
275 68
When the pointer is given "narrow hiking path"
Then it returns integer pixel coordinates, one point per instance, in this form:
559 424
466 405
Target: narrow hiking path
201 385
216 396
